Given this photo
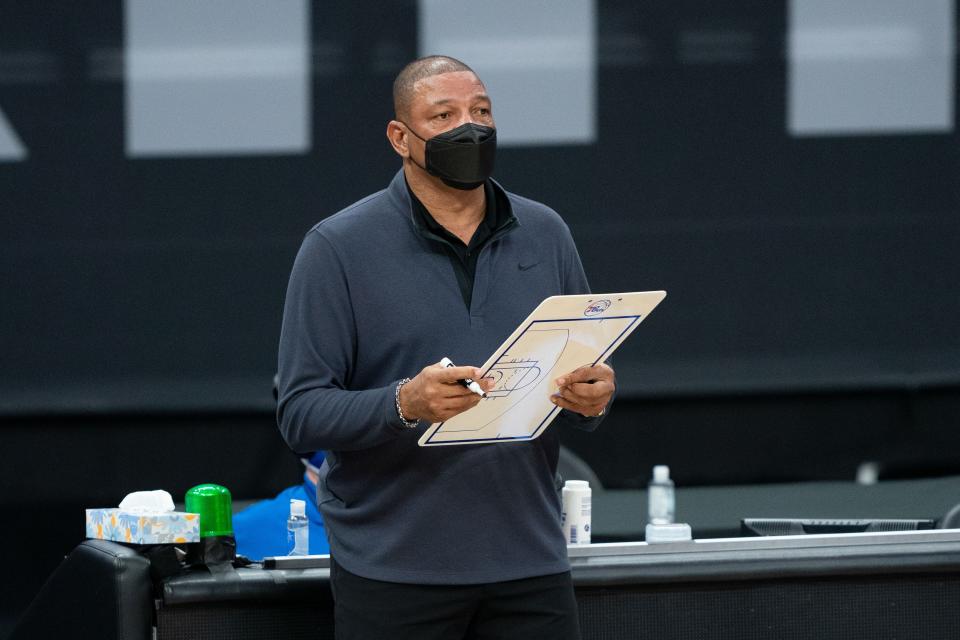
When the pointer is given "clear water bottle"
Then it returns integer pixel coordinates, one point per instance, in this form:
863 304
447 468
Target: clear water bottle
660 497
298 529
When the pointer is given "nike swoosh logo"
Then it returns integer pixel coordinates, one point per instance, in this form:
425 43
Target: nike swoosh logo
524 267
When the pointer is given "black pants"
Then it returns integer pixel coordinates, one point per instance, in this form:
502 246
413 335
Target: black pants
529 609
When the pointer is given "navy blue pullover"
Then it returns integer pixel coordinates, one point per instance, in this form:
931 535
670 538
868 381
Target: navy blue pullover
372 299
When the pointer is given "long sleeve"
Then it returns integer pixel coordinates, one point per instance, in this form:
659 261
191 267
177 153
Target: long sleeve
316 409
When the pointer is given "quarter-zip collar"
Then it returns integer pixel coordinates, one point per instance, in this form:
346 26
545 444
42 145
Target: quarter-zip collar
498 218
497 221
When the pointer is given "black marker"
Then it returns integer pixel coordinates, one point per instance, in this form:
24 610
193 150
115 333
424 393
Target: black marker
467 382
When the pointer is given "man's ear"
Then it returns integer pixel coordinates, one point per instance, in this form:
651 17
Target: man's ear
397 135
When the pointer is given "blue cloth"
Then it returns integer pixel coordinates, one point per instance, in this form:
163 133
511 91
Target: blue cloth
316 460
261 528
372 299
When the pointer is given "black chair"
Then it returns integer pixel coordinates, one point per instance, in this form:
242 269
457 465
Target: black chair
573 467
951 520
101 590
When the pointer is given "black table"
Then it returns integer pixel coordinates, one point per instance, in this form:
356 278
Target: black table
885 585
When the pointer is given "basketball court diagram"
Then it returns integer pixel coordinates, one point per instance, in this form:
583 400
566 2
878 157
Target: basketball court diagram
525 368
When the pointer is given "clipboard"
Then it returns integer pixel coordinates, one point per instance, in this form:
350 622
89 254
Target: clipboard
561 334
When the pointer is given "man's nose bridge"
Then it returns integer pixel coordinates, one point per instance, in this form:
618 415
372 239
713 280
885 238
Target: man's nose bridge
468 116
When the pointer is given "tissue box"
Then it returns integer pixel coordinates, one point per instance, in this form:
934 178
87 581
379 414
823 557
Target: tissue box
143 528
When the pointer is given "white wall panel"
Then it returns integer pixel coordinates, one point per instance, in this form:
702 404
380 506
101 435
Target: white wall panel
11 148
537 59
217 77
871 66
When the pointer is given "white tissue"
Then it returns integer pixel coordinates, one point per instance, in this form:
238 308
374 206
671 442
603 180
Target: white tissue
147 502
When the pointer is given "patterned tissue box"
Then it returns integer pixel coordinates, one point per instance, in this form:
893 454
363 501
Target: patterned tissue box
143 528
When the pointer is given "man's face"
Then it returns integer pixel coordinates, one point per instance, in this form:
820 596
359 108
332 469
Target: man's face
447 101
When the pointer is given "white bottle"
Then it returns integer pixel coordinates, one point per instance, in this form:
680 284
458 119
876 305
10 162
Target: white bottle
298 529
660 497
575 517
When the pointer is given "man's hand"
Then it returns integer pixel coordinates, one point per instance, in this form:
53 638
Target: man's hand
586 390
436 395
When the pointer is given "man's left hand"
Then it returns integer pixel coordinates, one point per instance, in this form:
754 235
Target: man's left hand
586 390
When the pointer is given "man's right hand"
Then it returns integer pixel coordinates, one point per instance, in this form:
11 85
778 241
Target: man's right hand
435 395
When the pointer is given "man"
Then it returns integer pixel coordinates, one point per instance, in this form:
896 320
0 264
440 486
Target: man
432 542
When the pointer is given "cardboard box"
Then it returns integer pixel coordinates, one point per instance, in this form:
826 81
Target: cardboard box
143 528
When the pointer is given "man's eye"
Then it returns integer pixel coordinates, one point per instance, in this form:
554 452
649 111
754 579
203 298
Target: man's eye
443 116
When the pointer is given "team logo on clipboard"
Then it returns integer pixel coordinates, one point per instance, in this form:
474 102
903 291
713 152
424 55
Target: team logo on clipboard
596 308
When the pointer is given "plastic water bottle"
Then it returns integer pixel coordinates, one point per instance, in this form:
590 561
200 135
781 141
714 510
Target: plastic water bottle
298 529
661 502
575 517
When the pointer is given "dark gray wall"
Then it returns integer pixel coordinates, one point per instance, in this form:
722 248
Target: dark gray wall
791 263
810 323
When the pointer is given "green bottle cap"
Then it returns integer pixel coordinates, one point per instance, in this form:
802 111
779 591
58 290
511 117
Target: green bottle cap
212 502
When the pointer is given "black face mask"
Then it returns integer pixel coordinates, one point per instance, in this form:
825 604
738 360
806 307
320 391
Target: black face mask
462 157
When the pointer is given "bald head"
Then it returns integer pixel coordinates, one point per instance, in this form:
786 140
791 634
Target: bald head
418 70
